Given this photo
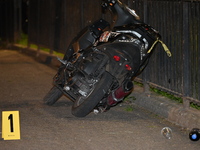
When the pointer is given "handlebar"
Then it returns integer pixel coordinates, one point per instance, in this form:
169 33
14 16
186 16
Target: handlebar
121 12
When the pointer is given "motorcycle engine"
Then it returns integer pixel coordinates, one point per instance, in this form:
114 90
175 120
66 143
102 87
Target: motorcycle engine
87 74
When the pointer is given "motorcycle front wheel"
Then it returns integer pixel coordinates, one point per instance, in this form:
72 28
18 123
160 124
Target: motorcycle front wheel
84 105
52 96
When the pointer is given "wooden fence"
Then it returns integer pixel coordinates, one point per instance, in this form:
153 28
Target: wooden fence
53 23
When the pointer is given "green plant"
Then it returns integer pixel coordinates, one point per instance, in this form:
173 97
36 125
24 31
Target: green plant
170 96
58 54
193 105
129 108
129 99
24 41
138 83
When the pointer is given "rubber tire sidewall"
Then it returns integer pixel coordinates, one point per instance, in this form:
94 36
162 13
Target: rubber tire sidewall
52 96
93 99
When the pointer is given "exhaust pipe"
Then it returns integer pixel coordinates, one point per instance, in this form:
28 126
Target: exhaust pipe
118 95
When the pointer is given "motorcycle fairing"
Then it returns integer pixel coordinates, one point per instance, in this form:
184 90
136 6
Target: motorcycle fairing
86 37
144 32
129 54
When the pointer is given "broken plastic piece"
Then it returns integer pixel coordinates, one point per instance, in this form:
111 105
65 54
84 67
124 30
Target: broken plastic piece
166 132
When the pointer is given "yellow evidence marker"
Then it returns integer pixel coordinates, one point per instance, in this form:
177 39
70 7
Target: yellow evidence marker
10 125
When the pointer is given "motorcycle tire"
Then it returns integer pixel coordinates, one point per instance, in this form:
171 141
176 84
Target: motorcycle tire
52 96
88 103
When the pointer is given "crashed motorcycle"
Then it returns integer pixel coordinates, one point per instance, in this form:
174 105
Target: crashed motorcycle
101 62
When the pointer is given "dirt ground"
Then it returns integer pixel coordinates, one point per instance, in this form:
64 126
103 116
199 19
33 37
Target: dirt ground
23 84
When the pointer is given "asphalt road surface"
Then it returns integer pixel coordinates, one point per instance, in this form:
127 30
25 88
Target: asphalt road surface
23 84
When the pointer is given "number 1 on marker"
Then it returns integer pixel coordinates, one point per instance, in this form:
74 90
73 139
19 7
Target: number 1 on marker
11 122
10 125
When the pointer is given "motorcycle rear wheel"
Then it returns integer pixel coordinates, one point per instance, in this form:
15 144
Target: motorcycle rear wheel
52 96
84 105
